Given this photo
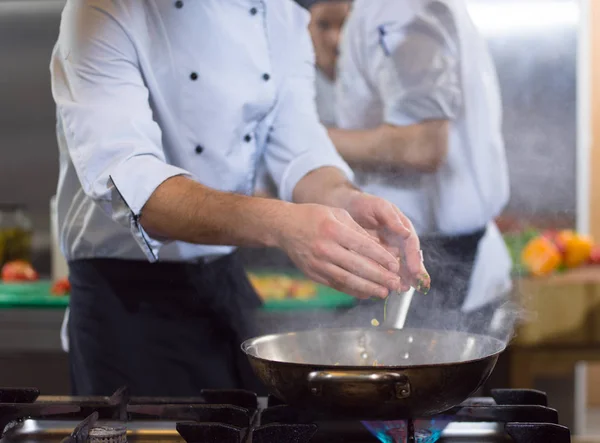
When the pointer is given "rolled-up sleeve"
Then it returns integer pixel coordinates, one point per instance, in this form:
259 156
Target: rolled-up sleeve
105 116
419 76
298 143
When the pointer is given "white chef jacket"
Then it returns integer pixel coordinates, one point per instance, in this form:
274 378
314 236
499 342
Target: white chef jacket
405 61
146 90
325 102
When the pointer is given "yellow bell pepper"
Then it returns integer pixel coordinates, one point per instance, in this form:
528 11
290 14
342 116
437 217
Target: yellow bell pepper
541 256
577 249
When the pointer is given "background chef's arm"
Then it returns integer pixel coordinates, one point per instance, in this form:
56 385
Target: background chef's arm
421 147
419 85
300 157
116 147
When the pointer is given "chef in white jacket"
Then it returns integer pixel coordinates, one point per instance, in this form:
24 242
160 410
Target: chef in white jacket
164 110
419 118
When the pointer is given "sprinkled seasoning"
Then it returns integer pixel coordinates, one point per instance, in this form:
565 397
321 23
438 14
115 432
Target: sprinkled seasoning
423 284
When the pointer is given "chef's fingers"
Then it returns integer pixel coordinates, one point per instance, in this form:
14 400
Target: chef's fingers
364 245
404 219
364 268
412 268
316 277
375 235
392 249
345 218
413 257
391 219
351 284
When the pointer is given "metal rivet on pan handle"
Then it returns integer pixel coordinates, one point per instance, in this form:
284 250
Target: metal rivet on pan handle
402 389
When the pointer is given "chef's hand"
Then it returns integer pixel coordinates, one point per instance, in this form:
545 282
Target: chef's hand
333 249
396 232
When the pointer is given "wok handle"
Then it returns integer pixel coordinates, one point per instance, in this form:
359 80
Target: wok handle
401 384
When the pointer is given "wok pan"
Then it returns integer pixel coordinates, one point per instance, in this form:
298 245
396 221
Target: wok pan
374 373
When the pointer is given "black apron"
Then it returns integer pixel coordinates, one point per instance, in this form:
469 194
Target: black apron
162 329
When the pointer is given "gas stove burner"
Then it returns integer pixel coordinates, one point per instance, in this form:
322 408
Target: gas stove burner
105 434
420 431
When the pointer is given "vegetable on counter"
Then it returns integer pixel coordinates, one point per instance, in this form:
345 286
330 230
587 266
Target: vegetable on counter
18 271
576 248
541 256
61 287
552 251
595 255
515 242
279 287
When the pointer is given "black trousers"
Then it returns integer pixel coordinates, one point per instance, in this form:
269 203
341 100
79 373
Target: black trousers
162 329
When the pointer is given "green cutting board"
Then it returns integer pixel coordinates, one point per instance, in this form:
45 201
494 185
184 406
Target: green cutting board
325 297
37 295
30 295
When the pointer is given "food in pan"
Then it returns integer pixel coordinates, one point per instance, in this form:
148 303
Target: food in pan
280 287
18 271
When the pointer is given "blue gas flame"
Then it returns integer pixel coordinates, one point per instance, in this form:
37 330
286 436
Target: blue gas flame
426 431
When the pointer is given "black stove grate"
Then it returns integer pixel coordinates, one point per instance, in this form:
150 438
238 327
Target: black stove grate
19 395
234 416
226 414
193 432
536 432
289 433
520 397
236 397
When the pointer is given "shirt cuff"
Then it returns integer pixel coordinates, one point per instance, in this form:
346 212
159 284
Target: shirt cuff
436 105
133 182
306 163
394 118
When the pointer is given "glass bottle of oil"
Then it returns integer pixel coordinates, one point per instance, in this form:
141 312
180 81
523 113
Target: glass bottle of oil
15 233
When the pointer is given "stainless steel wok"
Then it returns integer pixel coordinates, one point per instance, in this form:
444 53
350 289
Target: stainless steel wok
374 373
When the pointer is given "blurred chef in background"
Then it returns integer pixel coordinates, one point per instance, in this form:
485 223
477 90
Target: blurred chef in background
418 111
326 22
327 18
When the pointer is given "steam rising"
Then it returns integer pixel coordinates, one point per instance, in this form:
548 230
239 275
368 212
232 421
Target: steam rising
440 309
